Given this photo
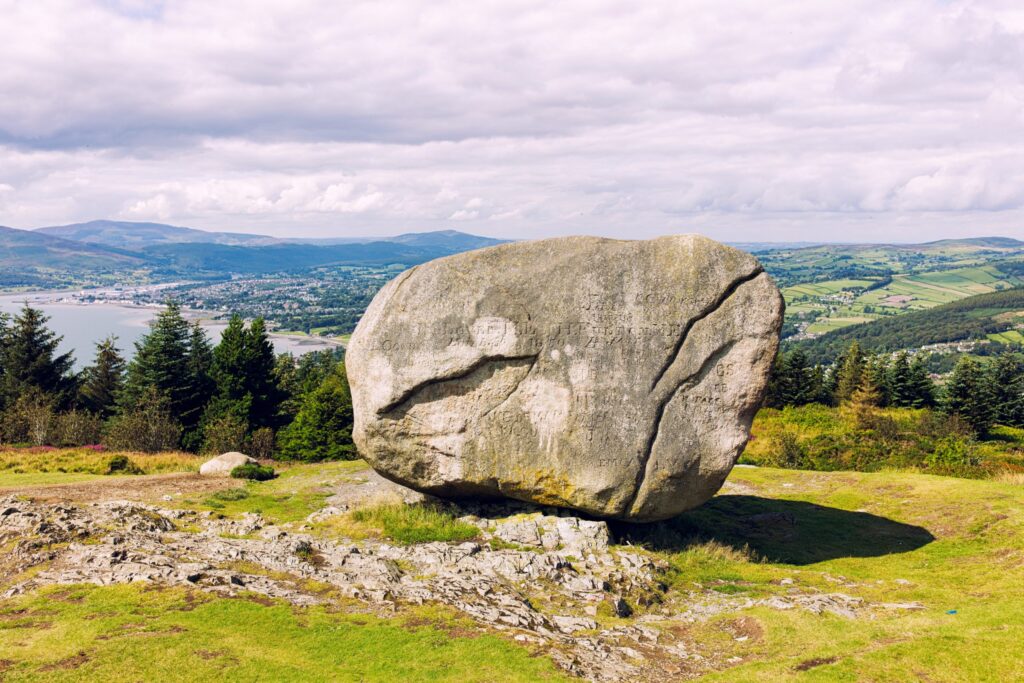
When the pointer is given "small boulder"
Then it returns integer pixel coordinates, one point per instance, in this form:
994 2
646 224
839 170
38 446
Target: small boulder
222 465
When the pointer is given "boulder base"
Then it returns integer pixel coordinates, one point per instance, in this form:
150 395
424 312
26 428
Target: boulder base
222 465
614 377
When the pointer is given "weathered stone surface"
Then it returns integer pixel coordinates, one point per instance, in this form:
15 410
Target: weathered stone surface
222 465
614 377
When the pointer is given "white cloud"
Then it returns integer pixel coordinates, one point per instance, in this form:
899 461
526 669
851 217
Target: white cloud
745 120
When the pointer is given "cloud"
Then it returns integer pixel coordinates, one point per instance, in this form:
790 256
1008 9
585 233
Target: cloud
745 120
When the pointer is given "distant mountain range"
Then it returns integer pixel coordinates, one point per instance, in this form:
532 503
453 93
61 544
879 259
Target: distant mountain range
101 251
141 236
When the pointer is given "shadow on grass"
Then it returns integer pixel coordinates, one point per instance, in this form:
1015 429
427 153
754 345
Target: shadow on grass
782 531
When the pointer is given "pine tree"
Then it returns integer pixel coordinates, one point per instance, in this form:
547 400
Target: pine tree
229 361
822 392
797 390
161 363
322 430
774 394
900 381
103 380
969 395
30 360
201 387
1006 376
878 373
260 383
922 388
850 373
244 373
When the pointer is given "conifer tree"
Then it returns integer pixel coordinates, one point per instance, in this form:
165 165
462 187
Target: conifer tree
900 381
850 373
1006 377
103 380
30 360
243 370
267 396
969 395
161 363
322 430
877 372
922 389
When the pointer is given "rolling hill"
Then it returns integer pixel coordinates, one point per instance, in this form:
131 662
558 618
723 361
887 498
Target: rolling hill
276 258
998 316
31 259
98 251
131 235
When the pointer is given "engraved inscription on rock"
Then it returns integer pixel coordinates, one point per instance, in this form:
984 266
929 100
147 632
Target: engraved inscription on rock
614 377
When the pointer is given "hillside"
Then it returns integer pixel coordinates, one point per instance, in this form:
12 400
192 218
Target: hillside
39 260
183 258
131 235
108 252
998 316
829 287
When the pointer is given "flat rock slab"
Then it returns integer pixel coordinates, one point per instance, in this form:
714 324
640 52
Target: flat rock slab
618 378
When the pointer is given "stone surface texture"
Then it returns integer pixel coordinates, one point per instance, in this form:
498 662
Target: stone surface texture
618 378
222 465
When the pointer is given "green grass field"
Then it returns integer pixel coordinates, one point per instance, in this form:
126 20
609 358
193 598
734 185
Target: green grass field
144 633
951 549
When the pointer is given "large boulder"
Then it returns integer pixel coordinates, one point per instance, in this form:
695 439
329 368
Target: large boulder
614 377
222 465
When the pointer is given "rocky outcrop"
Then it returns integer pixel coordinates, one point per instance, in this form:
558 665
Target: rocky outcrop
618 378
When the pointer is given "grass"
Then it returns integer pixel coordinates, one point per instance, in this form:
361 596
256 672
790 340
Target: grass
817 437
950 544
298 491
403 524
121 633
32 466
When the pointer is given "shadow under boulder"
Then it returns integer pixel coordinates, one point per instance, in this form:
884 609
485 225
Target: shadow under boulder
782 531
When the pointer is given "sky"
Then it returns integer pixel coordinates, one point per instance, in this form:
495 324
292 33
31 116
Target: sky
745 121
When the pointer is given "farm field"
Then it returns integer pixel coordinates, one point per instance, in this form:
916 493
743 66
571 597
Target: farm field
835 304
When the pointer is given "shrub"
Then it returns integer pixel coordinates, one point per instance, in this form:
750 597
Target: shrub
122 464
952 455
230 494
225 433
146 427
76 428
29 420
253 472
787 451
261 445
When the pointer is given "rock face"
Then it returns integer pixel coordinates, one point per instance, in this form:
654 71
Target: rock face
614 377
222 465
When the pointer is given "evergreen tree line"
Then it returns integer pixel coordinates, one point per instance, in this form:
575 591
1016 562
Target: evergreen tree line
982 394
179 391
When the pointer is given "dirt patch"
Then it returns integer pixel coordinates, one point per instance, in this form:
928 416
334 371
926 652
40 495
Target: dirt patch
67 596
210 654
808 664
414 623
66 664
144 488
745 627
